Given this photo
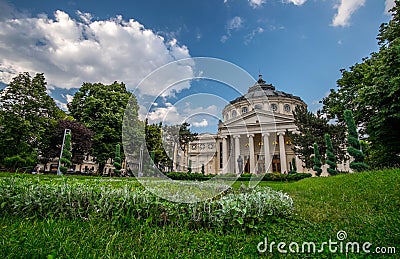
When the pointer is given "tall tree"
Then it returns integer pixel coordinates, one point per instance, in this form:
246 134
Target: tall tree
27 116
354 144
101 108
186 136
311 129
155 147
371 90
330 156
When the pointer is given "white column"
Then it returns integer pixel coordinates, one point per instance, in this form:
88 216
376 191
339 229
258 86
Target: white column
267 155
251 149
224 155
282 152
237 153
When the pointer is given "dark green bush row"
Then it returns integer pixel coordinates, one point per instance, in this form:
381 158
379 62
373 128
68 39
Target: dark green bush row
243 177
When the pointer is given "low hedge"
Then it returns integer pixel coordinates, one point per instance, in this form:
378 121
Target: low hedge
243 177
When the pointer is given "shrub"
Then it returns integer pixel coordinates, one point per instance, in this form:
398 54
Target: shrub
28 197
117 160
330 156
354 144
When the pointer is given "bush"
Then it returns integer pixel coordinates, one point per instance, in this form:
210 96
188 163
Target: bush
244 177
28 197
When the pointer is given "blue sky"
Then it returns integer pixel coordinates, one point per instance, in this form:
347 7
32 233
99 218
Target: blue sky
297 45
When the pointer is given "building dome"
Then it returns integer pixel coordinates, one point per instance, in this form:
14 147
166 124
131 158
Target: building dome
260 89
262 97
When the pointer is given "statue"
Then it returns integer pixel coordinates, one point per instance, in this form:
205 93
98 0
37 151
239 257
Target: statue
240 164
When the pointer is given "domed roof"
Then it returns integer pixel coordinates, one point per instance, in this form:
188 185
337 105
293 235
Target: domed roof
261 89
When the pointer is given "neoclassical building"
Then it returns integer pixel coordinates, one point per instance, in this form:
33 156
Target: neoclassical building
251 137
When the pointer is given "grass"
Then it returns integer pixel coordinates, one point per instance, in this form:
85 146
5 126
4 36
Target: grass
365 205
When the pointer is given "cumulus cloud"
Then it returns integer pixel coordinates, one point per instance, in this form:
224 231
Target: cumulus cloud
389 4
256 3
168 115
70 51
344 11
203 123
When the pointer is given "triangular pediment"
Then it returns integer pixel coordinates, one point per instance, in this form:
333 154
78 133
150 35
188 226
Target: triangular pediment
259 117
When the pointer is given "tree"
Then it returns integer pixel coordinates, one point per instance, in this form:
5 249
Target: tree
154 144
117 160
186 136
330 156
65 159
81 143
354 144
317 161
101 108
371 90
312 128
27 116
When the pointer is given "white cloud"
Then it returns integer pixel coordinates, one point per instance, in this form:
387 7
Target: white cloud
389 4
167 115
70 52
296 2
256 3
345 9
233 24
249 37
203 123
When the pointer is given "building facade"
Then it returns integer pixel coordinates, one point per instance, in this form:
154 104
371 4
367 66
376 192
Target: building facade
252 137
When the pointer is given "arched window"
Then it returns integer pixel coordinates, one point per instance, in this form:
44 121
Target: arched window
234 113
274 107
286 108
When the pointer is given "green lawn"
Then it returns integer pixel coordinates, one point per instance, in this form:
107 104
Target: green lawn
365 205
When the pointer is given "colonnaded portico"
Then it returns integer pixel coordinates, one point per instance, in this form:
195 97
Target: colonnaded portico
252 136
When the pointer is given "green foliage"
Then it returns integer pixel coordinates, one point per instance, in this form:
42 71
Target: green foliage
80 145
186 136
330 156
354 144
243 178
117 160
14 162
27 116
312 128
364 203
317 161
371 90
101 108
26 197
155 146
